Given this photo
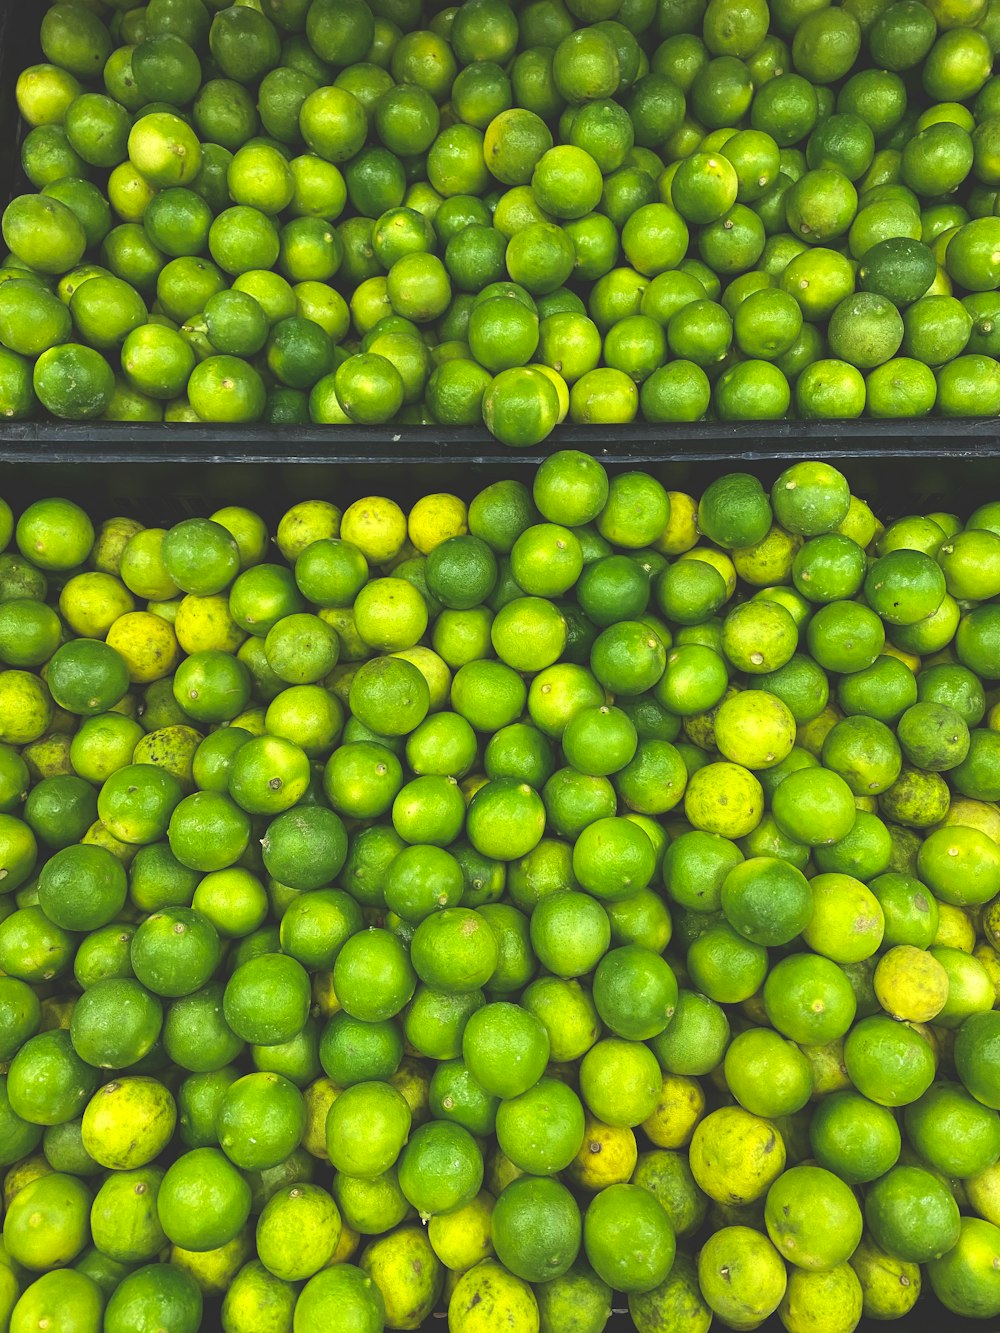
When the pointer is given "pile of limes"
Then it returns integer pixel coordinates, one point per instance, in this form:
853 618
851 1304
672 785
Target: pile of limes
593 889
331 211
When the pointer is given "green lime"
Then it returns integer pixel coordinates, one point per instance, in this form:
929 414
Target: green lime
812 1214
625 973
46 1222
267 999
422 1179
537 1228
158 1292
741 1274
766 900
888 1062
887 1212
734 511
361 953
766 1074
345 1293
628 1238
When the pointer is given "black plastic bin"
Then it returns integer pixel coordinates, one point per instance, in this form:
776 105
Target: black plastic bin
161 472
367 451
187 471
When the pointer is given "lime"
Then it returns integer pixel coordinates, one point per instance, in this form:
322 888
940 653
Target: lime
736 32
50 1295
628 1238
157 1292
766 900
421 1177
735 1156
569 933
536 1228
853 1137
46 1222
813 1218
734 511
741 1275
363 951
951 1131
44 233
888 1063
766 1074
333 123
704 187
366 1129
624 973
809 999
887 1212
586 66
505 1048
49 1081
488 1292
961 1278
267 999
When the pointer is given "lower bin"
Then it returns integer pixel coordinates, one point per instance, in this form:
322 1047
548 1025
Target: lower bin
183 470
